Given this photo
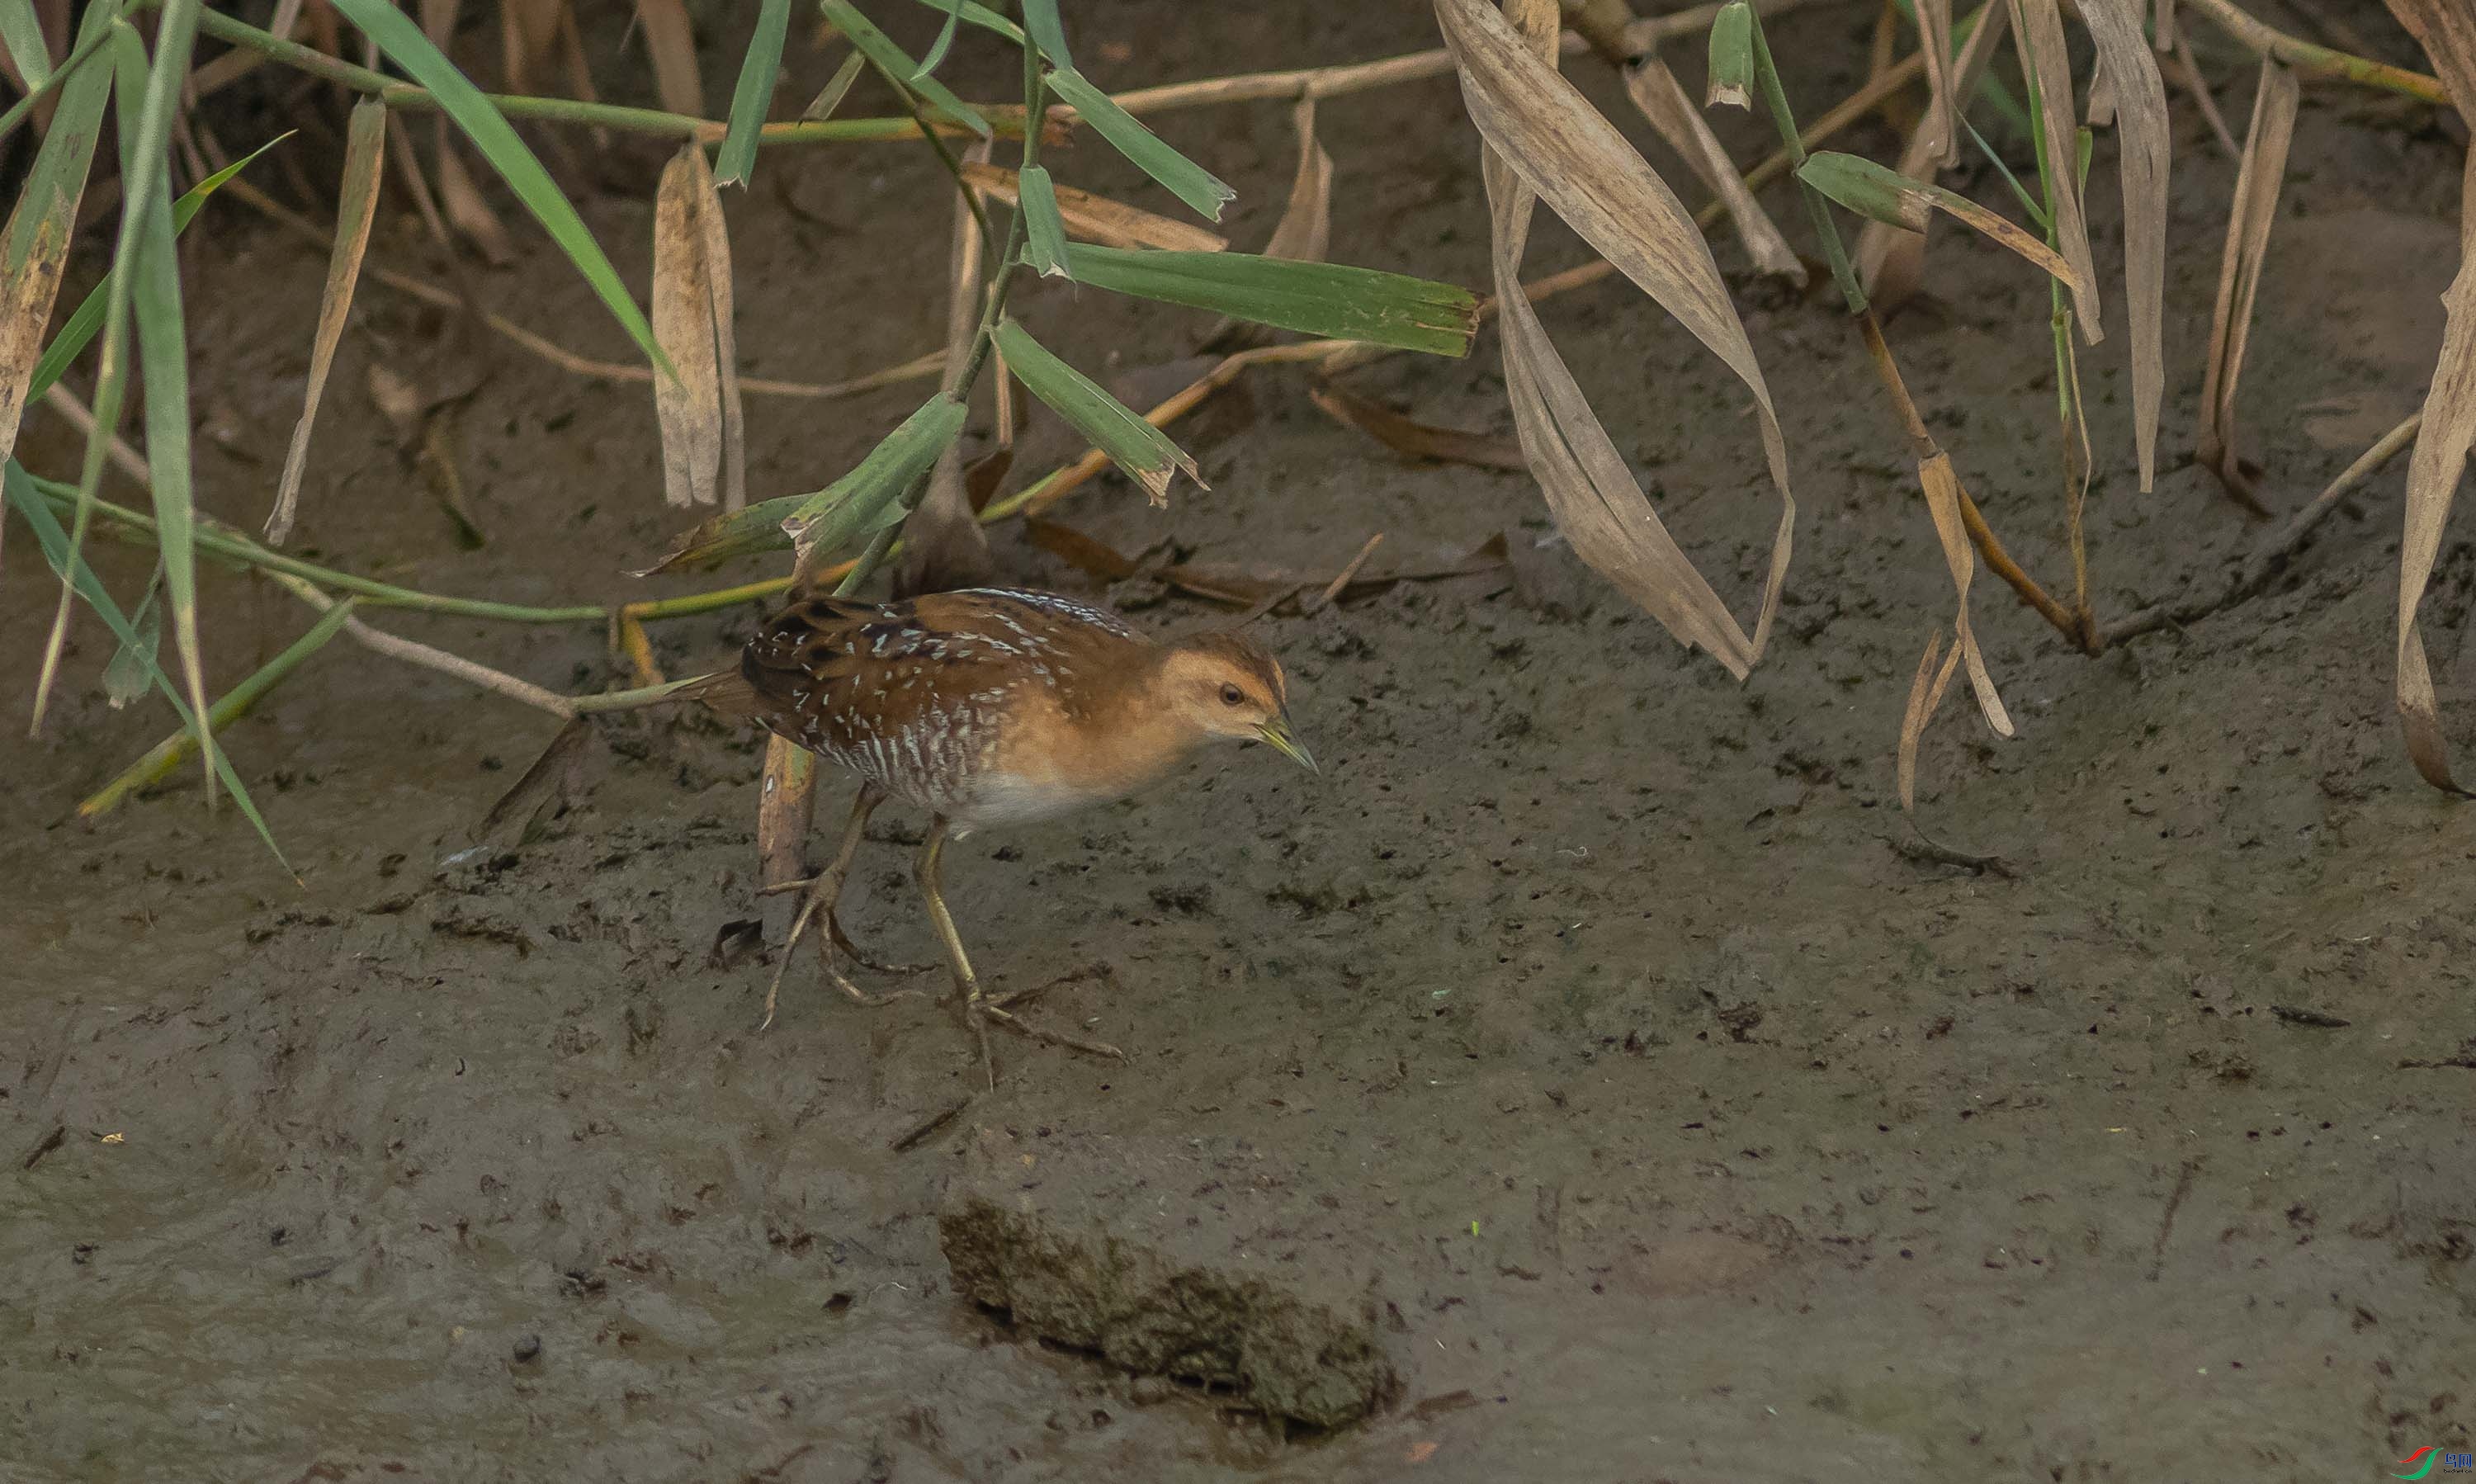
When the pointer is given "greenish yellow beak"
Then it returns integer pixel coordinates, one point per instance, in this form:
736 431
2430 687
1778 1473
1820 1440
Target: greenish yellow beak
1278 736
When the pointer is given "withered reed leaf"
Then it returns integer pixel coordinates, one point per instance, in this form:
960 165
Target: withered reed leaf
34 246
1878 192
1890 261
1096 219
1312 298
1304 232
2447 32
1044 240
703 447
1418 439
464 205
2145 154
830 96
19 491
482 123
1512 90
1732 58
1200 188
356 208
2038 32
1925 695
892 61
670 41
1141 449
78 331
1934 39
1577 162
1662 100
2249 218
1941 485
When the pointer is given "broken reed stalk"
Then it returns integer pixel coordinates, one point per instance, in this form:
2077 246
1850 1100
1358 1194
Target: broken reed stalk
2303 56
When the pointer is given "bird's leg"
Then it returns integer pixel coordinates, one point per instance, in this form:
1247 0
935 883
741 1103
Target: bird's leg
975 1008
823 891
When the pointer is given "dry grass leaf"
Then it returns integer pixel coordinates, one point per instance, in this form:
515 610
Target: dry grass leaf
2447 32
365 161
1097 218
2038 32
942 545
1304 232
528 28
671 43
1664 101
1891 263
1926 694
2144 152
400 402
1418 439
461 199
2163 31
704 440
1542 135
1943 500
786 810
2249 218
1941 122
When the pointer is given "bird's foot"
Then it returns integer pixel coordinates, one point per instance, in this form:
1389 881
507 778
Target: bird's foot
821 891
833 926
998 1008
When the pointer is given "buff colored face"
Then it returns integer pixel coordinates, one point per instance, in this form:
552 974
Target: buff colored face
1238 695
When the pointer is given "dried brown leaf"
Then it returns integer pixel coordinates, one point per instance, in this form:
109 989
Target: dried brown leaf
1542 136
671 43
2144 152
2447 31
1418 439
1941 120
2249 218
1926 694
942 545
364 161
786 810
703 441
1664 101
1891 263
526 30
2038 32
1087 554
1097 218
463 203
1304 232
1943 500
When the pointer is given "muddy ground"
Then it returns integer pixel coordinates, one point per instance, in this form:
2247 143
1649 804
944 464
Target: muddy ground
1580 1041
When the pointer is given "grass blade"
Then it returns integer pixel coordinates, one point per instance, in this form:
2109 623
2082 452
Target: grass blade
1879 193
1731 69
2146 153
937 49
164 757
897 64
1312 298
697 409
1941 485
18 492
1096 219
1924 696
1043 242
162 337
1143 451
1540 128
830 96
1943 104
1040 16
757 73
2249 218
1304 232
78 331
2038 32
981 15
35 247
1891 263
2448 36
365 161
865 500
1181 177
23 34
490 133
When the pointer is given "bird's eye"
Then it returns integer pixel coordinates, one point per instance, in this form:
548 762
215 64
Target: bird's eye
1231 694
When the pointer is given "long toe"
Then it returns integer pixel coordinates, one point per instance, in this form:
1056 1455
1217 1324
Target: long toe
1023 1028
842 940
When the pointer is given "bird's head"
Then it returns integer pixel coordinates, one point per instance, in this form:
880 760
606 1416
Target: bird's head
1225 686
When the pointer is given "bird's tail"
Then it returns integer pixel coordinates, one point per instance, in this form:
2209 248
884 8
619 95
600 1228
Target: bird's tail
727 691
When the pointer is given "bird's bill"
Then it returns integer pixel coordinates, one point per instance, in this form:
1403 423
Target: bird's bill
1278 735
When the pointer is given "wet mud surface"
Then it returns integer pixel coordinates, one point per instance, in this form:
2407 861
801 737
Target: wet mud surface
1580 1068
